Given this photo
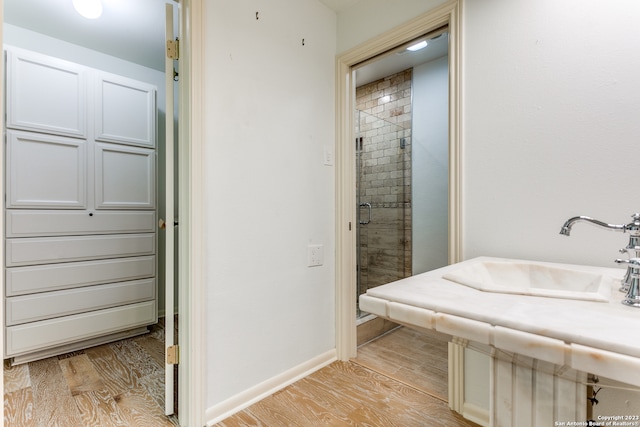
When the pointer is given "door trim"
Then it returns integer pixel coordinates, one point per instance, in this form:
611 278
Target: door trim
2 234
191 248
191 243
169 208
446 14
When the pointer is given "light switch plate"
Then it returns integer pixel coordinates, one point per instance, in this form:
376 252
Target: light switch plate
315 255
328 155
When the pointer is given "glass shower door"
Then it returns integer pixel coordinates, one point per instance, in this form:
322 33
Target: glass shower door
383 198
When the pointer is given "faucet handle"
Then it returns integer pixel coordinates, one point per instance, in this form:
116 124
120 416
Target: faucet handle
634 226
633 262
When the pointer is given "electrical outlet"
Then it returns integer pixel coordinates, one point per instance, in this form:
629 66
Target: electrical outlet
315 255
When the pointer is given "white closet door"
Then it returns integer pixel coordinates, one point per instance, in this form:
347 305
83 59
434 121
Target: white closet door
125 111
45 171
45 94
125 177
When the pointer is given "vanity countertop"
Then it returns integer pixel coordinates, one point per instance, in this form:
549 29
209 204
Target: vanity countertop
597 337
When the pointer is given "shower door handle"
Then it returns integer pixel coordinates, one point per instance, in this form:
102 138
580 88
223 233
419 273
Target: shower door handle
368 206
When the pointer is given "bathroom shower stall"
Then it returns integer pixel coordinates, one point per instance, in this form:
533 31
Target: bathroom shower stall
383 168
402 157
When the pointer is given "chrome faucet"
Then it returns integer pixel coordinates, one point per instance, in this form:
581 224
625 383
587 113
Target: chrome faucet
631 280
633 276
566 227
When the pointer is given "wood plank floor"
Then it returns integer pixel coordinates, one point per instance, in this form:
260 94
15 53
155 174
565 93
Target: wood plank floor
397 380
418 359
118 384
377 389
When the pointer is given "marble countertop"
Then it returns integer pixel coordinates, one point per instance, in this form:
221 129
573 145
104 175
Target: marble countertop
581 334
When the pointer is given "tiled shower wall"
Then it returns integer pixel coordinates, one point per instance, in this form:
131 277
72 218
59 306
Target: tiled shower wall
383 153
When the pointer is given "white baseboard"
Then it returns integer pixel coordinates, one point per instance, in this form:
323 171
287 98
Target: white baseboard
476 414
237 403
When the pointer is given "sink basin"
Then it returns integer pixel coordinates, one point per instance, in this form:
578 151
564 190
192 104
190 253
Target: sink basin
535 279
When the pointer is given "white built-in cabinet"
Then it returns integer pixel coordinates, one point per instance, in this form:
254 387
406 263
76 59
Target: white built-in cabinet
80 206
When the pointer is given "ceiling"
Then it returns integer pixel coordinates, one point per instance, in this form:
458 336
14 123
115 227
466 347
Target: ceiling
133 30
338 5
401 59
129 29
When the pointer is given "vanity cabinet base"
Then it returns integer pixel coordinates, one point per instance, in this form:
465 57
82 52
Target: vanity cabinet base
523 391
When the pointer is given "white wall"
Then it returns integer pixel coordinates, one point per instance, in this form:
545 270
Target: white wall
369 18
551 126
430 165
269 112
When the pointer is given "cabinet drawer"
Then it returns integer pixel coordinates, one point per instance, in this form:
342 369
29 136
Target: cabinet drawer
47 250
53 277
32 223
47 305
44 334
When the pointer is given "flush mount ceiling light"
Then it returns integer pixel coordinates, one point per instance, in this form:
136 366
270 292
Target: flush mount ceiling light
418 46
90 9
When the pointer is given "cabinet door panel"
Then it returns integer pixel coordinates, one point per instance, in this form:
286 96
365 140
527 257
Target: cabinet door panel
125 111
26 338
34 223
48 250
67 275
125 177
45 171
31 308
45 94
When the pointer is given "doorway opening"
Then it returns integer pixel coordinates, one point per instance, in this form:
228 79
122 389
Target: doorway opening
401 153
32 39
402 202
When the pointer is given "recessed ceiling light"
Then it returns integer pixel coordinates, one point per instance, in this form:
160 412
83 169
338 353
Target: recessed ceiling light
90 9
418 46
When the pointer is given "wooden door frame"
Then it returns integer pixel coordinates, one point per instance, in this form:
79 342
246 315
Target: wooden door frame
346 222
191 241
2 175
